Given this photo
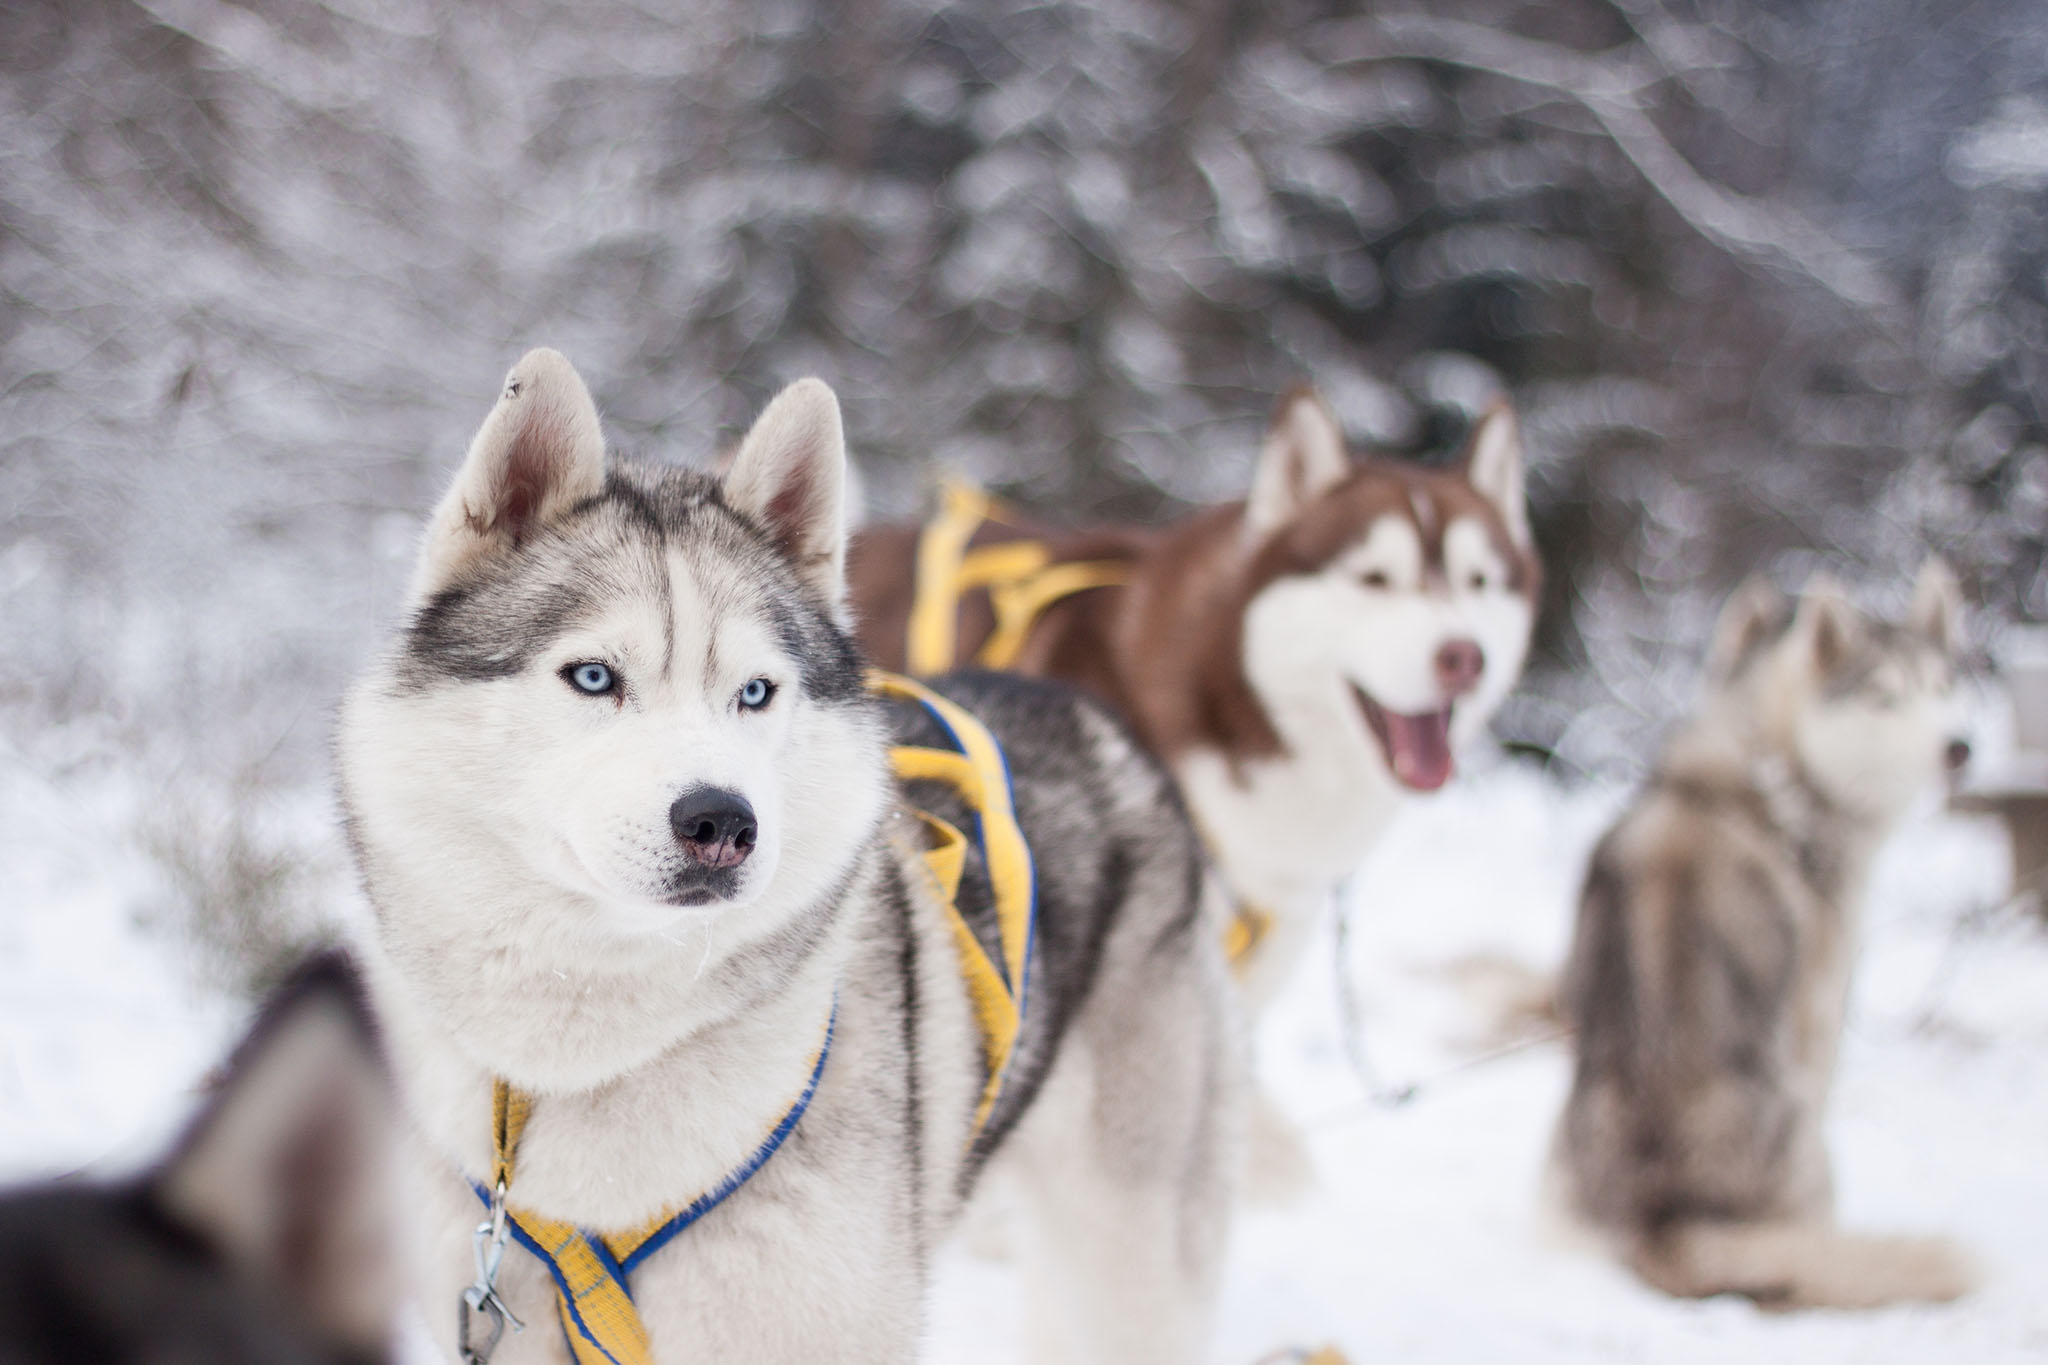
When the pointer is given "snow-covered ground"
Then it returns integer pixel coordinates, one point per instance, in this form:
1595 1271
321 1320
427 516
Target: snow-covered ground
1421 1242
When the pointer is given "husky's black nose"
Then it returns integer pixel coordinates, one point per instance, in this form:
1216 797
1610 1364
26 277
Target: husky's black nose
1458 666
1958 754
716 827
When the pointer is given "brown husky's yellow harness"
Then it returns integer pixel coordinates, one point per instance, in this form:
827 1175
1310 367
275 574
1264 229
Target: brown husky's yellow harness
1022 582
591 1269
1019 576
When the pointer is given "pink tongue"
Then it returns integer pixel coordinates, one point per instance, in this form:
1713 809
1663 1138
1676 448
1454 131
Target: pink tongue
1421 748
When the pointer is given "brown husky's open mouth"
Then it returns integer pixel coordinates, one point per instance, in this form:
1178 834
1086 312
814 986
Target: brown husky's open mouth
1418 748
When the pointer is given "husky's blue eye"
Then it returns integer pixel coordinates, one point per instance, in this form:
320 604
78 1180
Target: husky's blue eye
756 694
593 678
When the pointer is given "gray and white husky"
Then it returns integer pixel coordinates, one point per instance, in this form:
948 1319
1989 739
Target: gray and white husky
1710 966
623 808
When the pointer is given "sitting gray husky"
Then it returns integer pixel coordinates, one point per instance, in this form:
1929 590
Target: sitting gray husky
1710 967
269 1237
713 980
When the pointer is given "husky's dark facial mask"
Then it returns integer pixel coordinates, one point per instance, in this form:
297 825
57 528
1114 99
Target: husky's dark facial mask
630 680
629 822
266 1237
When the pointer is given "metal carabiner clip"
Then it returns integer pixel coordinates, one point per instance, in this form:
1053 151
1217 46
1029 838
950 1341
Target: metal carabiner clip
488 1244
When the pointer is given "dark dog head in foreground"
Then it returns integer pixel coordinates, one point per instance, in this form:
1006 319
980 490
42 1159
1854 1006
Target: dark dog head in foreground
267 1234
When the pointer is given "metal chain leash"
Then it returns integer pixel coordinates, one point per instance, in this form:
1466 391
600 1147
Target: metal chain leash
1379 1092
481 1298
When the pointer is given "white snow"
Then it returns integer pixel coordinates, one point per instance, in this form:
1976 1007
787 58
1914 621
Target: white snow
103 1034
1421 1242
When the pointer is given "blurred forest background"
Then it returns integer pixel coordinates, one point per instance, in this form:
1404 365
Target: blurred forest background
1766 278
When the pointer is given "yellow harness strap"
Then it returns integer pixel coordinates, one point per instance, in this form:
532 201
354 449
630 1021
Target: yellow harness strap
1019 602
509 1111
1248 928
1250 922
1019 576
933 628
1021 582
981 778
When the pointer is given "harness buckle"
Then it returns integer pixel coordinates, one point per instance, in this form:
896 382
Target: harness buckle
488 1243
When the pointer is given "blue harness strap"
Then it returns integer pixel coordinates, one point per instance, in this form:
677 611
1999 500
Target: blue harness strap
591 1269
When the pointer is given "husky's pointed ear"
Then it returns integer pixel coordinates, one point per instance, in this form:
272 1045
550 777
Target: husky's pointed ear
1302 458
288 1174
538 453
1825 621
1493 461
1752 618
789 476
1937 609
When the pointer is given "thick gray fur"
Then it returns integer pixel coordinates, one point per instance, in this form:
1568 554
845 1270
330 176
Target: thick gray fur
1116 1118
1709 971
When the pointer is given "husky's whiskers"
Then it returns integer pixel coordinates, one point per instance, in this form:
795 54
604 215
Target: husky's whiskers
651 908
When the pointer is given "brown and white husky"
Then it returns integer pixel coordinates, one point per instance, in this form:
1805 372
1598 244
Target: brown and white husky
1304 659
